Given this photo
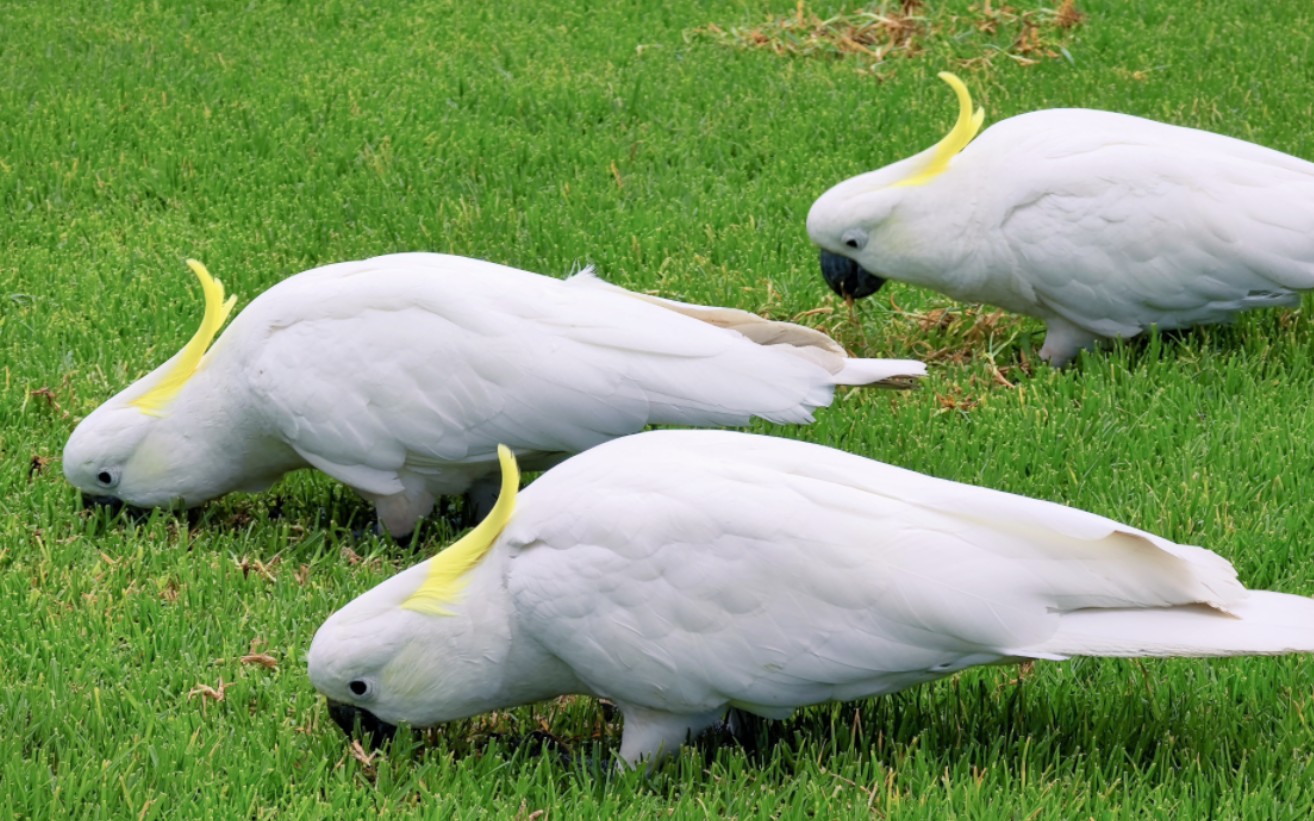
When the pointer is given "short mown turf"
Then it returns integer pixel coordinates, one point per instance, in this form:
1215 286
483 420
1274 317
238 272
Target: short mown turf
155 669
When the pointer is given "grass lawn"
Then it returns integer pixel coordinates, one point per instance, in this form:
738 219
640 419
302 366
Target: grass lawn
155 669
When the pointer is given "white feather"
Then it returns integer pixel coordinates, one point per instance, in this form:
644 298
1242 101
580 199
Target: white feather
1100 224
679 573
400 375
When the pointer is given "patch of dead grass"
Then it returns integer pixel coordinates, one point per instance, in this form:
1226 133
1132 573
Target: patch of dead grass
907 28
874 31
987 346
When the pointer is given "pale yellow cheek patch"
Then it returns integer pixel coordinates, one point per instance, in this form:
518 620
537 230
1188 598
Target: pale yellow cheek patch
149 459
407 676
217 310
968 124
447 570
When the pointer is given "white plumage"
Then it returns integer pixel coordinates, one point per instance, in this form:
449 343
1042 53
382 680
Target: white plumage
399 376
680 573
1099 224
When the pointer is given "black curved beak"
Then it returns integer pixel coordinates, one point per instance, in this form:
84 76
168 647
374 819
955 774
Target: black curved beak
361 724
847 278
114 503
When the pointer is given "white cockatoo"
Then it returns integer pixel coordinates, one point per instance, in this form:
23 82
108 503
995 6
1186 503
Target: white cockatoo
683 573
1099 224
399 376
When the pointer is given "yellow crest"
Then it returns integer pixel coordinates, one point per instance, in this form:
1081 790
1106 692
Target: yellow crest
956 140
216 311
447 570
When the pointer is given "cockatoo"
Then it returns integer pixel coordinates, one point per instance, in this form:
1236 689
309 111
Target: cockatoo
683 573
399 375
1099 224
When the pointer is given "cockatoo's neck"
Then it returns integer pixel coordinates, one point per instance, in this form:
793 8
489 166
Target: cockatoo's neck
524 671
206 438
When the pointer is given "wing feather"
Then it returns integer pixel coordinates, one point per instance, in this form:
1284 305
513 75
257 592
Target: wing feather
772 572
427 361
1122 222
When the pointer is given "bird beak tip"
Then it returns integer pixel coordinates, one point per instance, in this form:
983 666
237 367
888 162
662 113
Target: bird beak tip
847 278
361 724
90 501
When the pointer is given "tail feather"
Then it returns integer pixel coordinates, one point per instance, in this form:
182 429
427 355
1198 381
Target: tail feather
884 373
1264 623
760 330
806 343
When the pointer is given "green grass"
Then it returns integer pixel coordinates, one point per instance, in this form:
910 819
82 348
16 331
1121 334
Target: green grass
268 137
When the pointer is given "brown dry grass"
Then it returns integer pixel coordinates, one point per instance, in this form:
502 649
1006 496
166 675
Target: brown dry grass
908 28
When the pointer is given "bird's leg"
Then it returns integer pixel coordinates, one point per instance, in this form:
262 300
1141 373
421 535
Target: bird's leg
1063 341
650 735
481 497
401 512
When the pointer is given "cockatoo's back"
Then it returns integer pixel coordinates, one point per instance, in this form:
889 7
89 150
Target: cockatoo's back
1118 222
1100 224
773 573
400 375
441 358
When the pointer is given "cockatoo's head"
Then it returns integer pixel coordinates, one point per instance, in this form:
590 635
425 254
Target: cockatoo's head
124 452
113 459
846 220
413 650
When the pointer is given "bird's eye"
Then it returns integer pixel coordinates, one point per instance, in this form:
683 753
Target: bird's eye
358 687
107 478
854 238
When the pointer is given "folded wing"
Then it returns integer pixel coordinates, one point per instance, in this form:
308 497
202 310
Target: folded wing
1119 222
716 568
422 360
